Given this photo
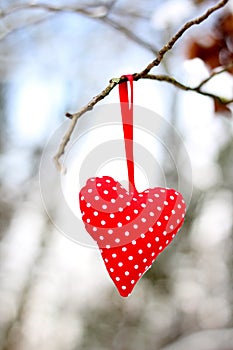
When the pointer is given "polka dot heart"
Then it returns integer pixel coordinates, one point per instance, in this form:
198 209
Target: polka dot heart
130 228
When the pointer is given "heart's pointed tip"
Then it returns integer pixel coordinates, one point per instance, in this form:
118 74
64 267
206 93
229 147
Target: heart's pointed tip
124 293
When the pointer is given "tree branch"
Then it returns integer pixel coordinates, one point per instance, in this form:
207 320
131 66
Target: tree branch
144 74
178 35
74 118
88 11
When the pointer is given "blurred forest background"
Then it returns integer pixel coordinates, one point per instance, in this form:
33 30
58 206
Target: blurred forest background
55 294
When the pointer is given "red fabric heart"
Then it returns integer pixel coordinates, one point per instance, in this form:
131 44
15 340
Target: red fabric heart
130 228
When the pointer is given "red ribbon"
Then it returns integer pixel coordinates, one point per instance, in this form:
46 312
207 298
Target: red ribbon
127 121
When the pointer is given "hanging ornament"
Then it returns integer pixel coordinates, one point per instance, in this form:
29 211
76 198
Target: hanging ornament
130 228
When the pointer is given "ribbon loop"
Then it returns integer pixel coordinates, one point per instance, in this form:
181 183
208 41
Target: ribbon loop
127 121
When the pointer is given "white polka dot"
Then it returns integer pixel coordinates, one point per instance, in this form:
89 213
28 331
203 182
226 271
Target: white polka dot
166 217
173 235
110 231
126 273
106 260
105 192
114 188
157 239
144 260
150 200
179 206
182 201
120 264
114 255
99 185
178 221
136 267
113 200
171 197
151 229
92 180
159 208
142 235
88 205
124 249
162 191
94 229
127 217
126 233
173 211
148 245
167 241
157 195
88 220
118 279
103 222
135 211
108 181
108 246
117 240
140 251
158 223
101 238
135 199
97 198
151 213
143 205
171 227
130 257
111 269
112 216
123 287
160 248
135 226
104 206
134 242
120 209
182 215
128 203
90 190
146 191
153 254
165 203
82 198
132 282
140 195
96 213
119 224
121 196
164 233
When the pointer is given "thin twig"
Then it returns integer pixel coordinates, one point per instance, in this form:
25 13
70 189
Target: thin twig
42 6
25 25
129 34
181 86
214 73
143 74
